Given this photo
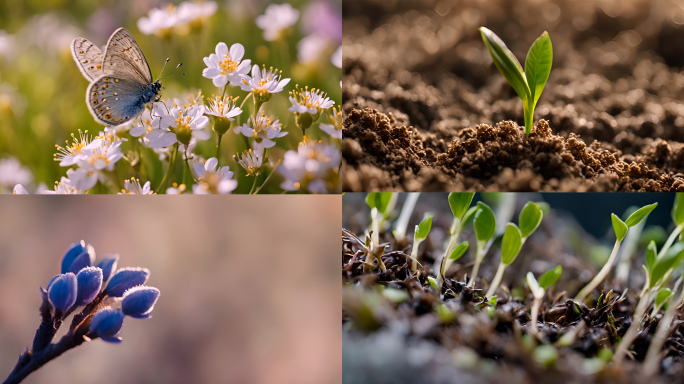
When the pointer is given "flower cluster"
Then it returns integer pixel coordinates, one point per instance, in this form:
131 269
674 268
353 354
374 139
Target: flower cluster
188 14
104 296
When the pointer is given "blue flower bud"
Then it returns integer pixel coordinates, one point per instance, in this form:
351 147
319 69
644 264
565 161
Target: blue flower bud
78 257
106 325
138 302
89 285
125 279
62 291
108 266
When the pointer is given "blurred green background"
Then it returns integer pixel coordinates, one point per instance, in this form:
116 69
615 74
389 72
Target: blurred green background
245 298
42 92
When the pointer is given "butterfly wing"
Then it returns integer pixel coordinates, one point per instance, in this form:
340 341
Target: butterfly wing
115 100
88 58
123 58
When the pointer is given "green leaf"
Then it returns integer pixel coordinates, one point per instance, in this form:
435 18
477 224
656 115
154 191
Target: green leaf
433 284
550 277
506 63
638 215
459 250
678 209
423 228
511 243
664 263
484 222
459 203
538 66
619 226
530 218
379 200
469 216
663 295
651 253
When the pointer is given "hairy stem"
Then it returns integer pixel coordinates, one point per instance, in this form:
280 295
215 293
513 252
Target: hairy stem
600 276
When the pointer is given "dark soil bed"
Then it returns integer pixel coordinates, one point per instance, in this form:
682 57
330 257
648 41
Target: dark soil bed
426 110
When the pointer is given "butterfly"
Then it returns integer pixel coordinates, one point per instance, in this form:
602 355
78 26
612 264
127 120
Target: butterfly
121 82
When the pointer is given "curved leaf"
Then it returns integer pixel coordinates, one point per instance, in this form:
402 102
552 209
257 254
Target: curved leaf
678 209
530 218
423 228
510 244
506 63
651 253
459 203
619 226
638 215
484 222
550 277
538 66
664 263
379 200
459 250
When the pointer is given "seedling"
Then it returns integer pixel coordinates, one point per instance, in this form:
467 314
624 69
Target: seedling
379 203
653 358
420 234
528 84
620 227
538 289
484 223
459 204
513 240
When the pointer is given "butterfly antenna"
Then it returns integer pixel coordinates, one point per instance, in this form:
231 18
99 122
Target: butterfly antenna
174 70
162 72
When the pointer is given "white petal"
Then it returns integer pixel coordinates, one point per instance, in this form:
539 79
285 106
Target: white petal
220 80
167 139
237 52
221 50
210 73
211 164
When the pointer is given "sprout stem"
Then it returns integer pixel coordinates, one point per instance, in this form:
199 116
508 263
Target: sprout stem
529 120
482 248
497 281
445 263
600 276
631 333
535 315
652 360
414 255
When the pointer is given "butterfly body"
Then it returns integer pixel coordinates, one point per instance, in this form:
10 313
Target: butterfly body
121 81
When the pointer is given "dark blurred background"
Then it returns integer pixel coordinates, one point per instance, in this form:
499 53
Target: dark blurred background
250 286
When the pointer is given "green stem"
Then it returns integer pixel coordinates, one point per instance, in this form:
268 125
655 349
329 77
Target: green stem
269 176
497 280
251 191
478 259
172 162
600 276
529 120
218 144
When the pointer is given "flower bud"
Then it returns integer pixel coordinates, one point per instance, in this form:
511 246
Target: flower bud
126 278
108 266
62 291
77 257
303 120
221 125
106 325
138 302
89 281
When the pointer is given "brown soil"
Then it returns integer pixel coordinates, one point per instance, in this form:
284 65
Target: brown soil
426 110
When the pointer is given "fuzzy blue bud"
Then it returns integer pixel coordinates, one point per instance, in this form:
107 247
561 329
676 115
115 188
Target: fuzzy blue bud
125 279
89 284
106 325
108 266
62 291
77 257
138 302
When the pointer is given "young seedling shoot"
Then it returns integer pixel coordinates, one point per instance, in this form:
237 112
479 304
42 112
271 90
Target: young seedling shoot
380 205
513 240
538 289
655 353
459 204
485 228
620 227
659 268
104 294
528 84
421 233
406 211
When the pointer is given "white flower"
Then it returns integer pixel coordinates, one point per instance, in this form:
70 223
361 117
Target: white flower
132 187
19 190
12 172
309 101
276 19
314 48
158 20
213 180
180 124
334 129
251 160
92 160
223 108
263 130
314 167
189 12
336 57
263 81
65 186
226 66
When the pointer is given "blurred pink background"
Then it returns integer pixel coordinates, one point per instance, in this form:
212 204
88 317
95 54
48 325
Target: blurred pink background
250 286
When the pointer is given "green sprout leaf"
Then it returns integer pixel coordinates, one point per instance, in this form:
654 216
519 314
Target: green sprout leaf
538 66
459 250
433 284
550 277
663 264
528 84
423 228
459 203
469 216
537 291
511 243
638 215
651 253
530 218
662 295
484 222
678 209
619 226
379 200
